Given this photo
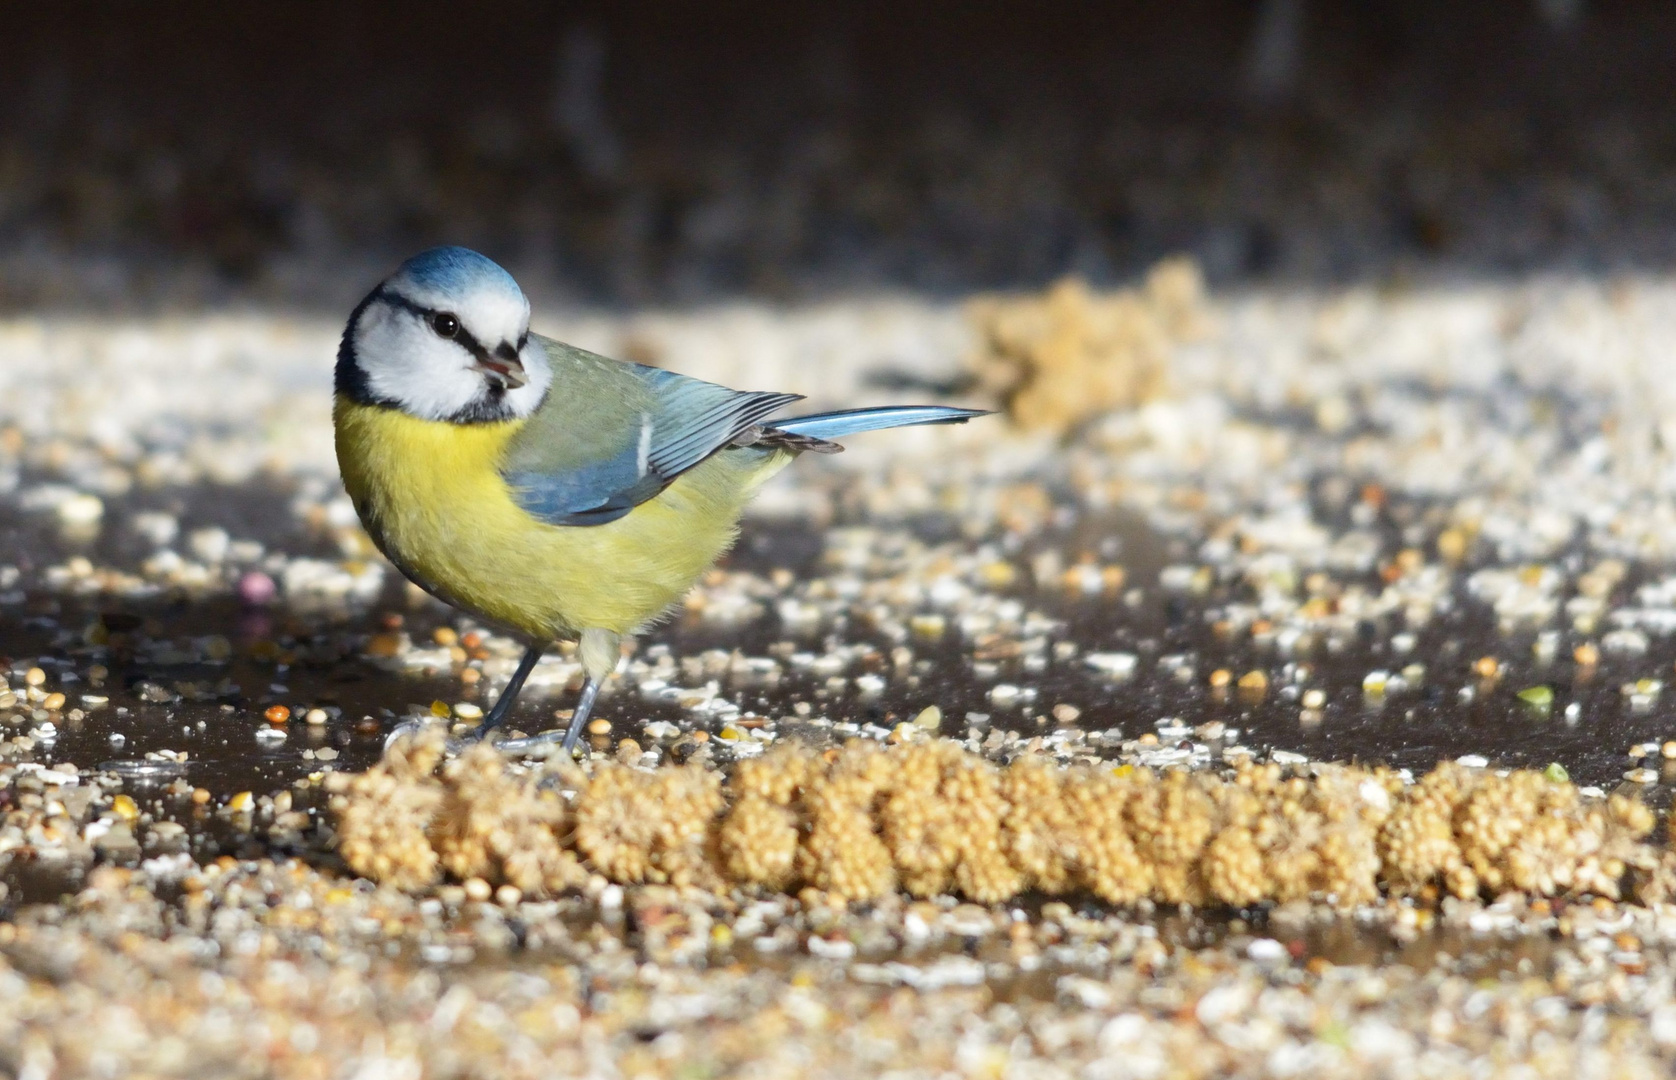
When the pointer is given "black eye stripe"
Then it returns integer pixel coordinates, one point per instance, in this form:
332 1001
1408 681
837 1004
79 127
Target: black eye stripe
461 335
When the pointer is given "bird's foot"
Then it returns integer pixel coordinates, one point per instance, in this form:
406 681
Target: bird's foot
545 745
414 727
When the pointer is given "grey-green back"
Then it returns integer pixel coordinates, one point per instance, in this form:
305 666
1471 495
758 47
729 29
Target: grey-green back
612 434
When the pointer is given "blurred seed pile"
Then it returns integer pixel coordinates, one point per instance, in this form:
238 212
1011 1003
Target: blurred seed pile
930 818
408 820
1065 356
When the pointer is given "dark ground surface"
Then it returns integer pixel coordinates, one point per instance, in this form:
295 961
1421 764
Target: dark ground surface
1434 721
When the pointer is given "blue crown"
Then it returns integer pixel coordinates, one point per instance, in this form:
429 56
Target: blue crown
455 270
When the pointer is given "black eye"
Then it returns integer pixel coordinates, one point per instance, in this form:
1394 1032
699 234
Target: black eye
445 324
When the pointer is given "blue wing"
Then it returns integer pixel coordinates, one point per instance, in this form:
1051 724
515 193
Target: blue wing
612 435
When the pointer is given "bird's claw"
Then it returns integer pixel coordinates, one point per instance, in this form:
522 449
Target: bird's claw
544 745
414 727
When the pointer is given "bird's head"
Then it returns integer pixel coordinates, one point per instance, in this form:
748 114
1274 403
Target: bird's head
446 337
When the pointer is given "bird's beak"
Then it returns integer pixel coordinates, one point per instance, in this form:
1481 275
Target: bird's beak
510 372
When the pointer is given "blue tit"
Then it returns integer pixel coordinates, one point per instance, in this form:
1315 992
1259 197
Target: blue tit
543 489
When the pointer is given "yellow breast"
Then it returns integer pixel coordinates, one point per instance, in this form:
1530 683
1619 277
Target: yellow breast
431 495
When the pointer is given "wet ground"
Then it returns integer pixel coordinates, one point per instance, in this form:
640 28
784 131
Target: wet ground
1354 528
153 648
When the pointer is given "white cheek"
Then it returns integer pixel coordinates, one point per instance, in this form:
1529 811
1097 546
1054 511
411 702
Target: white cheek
406 363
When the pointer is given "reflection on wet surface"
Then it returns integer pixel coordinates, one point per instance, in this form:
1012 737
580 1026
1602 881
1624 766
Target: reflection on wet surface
164 695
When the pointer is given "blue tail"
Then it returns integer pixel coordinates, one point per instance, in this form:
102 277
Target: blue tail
835 425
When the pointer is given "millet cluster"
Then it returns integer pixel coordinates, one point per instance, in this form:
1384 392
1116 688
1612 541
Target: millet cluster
928 817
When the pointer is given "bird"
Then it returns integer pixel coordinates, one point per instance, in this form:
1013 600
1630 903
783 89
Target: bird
549 491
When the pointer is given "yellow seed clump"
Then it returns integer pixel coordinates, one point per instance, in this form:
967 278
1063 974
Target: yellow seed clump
1171 822
1062 356
1417 843
502 829
382 814
942 822
1038 835
1107 859
1234 871
635 826
843 854
757 841
857 822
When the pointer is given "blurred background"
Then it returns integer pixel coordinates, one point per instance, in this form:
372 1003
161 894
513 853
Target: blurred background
668 152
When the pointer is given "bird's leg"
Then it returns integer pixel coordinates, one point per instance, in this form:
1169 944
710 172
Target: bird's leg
503 704
599 651
584 706
542 744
